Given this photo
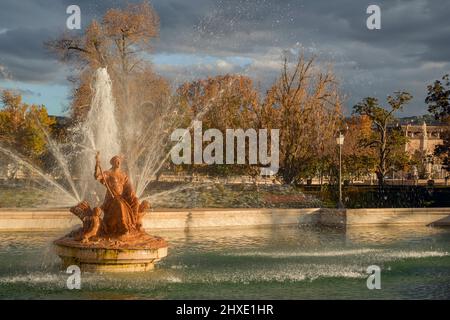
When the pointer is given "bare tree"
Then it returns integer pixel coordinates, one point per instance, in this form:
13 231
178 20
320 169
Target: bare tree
305 104
120 42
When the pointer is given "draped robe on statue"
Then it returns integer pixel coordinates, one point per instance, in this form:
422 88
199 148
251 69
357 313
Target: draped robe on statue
120 206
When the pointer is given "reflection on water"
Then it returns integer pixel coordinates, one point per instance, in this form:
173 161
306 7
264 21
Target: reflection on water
390 234
276 263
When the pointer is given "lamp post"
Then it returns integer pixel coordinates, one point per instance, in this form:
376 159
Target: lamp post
340 143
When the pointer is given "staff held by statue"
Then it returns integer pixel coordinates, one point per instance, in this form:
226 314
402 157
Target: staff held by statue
97 164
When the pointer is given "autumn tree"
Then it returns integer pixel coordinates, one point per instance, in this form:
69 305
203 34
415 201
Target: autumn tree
438 100
386 138
305 104
116 42
121 42
22 127
221 102
227 101
358 160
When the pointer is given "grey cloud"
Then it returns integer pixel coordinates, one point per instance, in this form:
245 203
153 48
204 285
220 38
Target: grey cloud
4 73
24 43
23 92
410 51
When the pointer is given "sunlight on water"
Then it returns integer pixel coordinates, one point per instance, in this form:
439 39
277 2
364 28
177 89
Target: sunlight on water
248 263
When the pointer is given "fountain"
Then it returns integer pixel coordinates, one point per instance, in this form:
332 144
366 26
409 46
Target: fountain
112 237
116 242
141 130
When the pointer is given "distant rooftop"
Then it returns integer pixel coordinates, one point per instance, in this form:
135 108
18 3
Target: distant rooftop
419 120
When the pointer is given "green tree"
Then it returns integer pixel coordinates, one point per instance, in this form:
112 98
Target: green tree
386 139
438 100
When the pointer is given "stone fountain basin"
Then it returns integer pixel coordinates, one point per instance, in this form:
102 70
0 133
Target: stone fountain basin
112 256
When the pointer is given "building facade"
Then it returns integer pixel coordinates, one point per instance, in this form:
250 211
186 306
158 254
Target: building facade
422 140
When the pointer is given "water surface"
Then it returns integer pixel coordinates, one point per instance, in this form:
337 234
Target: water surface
266 263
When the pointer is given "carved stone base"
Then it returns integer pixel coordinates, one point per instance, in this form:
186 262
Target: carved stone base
136 254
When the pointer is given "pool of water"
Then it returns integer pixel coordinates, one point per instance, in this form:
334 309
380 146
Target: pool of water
281 263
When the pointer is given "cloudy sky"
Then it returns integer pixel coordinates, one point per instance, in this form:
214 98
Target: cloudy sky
207 37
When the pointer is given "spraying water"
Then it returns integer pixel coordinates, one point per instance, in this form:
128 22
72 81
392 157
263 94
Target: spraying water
58 192
99 132
144 139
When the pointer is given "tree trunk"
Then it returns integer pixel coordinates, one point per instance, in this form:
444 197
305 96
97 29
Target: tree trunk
382 165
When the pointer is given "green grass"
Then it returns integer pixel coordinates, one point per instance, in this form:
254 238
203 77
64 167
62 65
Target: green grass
21 197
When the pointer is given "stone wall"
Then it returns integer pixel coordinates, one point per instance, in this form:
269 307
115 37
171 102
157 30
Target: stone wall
29 220
170 219
385 216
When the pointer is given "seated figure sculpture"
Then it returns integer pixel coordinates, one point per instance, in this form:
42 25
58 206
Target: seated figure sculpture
120 206
112 237
122 212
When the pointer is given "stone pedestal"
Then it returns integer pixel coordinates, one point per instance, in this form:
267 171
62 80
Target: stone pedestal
112 255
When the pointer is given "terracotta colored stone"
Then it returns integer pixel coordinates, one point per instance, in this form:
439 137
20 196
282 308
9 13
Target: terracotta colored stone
117 242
